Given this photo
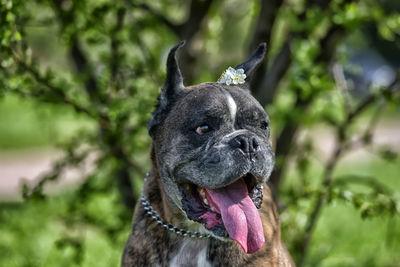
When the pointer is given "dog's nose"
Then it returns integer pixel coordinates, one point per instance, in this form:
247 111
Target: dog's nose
245 143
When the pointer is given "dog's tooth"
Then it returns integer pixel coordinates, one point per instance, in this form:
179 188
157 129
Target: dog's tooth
212 208
205 201
202 192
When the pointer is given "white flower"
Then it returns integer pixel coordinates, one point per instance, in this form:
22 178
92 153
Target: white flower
232 75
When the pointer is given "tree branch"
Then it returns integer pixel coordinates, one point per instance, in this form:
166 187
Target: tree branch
173 27
71 159
66 17
185 31
265 22
267 85
115 47
341 83
55 91
78 57
341 141
312 219
263 31
266 80
197 12
285 139
362 179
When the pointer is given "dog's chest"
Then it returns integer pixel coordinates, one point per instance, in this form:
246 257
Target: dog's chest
190 253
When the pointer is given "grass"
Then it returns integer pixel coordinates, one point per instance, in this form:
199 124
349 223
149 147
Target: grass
343 238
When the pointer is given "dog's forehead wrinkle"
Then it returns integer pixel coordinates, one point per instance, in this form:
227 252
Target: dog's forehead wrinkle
198 109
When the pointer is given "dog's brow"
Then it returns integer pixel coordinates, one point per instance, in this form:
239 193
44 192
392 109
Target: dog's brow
211 112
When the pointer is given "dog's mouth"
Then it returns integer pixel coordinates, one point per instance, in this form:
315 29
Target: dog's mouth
229 211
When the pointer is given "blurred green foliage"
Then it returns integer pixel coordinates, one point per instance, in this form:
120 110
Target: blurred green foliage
84 75
47 233
25 123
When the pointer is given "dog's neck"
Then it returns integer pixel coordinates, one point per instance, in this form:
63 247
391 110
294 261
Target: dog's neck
183 251
166 215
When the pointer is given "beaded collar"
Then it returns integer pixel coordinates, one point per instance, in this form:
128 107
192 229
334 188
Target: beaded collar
156 217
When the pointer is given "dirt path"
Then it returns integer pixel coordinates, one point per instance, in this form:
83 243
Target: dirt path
25 166
19 166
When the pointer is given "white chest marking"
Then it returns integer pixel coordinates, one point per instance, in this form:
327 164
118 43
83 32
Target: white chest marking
232 106
202 258
191 253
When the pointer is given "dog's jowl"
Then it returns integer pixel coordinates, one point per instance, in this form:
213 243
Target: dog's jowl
205 201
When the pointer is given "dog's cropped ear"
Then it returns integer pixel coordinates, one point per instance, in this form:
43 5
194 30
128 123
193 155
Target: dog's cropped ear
172 88
253 61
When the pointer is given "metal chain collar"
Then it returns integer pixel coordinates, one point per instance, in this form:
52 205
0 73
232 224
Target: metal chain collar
154 215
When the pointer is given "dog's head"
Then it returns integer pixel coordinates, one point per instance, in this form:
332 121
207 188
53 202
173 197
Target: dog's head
212 151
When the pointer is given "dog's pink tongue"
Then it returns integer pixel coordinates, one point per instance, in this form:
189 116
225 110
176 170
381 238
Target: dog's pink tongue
240 216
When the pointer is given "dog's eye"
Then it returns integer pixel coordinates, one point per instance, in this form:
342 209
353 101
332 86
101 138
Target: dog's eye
202 129
264 125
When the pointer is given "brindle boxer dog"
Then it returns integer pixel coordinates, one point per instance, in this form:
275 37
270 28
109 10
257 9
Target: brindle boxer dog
201 203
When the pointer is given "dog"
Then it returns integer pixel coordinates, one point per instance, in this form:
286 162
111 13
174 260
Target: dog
205 201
